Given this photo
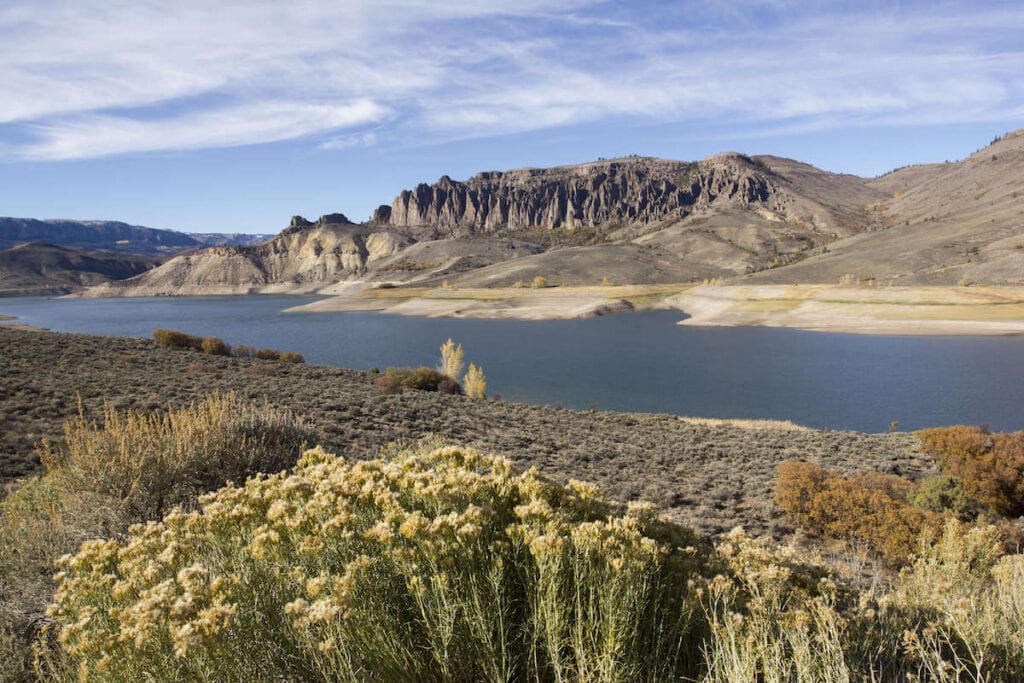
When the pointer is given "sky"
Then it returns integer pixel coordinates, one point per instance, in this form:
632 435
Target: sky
233 116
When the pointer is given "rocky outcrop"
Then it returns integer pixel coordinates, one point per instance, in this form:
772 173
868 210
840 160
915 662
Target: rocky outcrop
621 191
304 257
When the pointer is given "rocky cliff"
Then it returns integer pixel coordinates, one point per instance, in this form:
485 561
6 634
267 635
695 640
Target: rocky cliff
635 190
305 256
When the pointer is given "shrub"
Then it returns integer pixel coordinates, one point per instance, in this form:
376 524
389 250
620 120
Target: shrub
242 351
215 346
291 357
991 466
422 378
871 508
944 493
474 383
268 354
177 339
146 463
539 282
439 564
963 602
102 478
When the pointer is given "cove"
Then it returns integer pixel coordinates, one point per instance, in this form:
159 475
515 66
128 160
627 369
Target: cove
631 362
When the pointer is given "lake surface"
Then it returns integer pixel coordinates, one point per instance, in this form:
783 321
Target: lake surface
632 362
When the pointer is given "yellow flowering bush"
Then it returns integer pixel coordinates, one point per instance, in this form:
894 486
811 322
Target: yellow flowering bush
438 563
433 563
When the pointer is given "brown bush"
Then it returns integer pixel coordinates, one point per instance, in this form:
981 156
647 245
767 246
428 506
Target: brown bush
423 378
268 354
991 466
177 339
870 507
215 346
291 357
243 351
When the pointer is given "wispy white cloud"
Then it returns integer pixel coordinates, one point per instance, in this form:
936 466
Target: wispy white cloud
100 135
84 78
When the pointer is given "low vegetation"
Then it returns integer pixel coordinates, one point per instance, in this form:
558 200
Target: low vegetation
132 467
439 563
215 346
871 508
990 466
393 380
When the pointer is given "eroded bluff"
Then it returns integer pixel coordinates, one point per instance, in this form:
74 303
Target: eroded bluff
623 191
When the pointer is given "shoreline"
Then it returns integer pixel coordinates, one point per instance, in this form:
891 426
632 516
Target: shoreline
857 309
977 310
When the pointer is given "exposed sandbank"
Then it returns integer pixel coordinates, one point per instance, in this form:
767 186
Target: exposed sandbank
551 303
858 309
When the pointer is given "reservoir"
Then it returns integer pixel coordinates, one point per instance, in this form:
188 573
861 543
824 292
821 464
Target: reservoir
630 362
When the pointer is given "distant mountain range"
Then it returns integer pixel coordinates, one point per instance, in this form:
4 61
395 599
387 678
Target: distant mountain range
113 236
45 257
637 220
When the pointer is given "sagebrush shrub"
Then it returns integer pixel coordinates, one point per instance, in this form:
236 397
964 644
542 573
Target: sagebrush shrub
147 463
177 339
215 346
422 378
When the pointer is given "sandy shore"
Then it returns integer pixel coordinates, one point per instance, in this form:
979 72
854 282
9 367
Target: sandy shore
554 303
11 322
859 309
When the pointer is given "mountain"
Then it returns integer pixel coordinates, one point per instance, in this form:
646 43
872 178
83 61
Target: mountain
643 220
112 236
39 269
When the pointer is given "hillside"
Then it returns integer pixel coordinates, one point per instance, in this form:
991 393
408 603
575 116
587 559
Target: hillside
39 269
941 224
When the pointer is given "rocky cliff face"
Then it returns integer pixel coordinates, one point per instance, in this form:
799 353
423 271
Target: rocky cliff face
305 255
623 191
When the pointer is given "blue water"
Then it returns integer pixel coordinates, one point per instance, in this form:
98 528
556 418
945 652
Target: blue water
635 362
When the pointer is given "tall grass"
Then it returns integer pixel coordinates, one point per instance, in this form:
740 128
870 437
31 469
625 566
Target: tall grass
128 468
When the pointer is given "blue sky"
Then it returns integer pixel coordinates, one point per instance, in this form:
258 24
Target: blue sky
232 116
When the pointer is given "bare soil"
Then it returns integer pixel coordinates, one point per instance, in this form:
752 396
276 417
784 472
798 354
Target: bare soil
713 475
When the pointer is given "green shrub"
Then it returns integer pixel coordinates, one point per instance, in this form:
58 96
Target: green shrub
291 357
268 354
422 378
944 493
177 339
215 346
439 564
991 466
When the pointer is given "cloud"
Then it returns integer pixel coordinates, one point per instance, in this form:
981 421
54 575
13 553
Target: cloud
98 136
367 139
84 78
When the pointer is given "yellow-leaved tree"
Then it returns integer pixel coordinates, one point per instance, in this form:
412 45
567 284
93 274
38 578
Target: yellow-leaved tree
474 383
452 359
